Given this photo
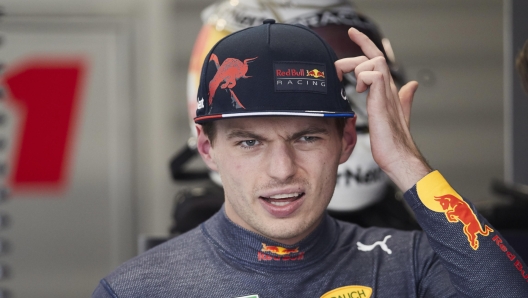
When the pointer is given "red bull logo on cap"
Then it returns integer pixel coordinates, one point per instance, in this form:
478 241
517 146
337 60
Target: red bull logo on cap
227 75
279 253
315 73
290 72
297 76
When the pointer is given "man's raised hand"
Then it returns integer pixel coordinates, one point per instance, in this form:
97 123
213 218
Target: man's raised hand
389 113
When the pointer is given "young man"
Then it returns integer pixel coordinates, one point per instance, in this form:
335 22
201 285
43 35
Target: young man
275 123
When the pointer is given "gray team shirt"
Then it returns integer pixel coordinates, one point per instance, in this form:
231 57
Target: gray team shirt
221 259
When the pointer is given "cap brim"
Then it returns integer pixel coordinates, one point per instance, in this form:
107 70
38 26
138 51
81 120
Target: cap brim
324 114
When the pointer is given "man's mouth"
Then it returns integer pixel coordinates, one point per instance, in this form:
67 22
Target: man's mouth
280 200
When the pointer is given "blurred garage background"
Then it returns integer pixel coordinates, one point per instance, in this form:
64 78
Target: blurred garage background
74 201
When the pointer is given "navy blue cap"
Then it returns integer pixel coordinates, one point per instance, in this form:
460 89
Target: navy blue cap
271 70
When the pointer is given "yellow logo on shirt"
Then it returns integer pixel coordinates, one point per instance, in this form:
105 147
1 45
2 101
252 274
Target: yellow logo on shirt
431 186
349 292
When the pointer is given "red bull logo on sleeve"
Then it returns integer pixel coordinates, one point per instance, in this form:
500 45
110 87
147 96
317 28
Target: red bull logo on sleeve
279 253
456 210
512 257
437 195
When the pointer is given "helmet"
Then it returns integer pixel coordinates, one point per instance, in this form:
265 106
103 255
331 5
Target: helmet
360 180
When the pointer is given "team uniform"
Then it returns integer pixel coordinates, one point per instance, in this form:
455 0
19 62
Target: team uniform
458 254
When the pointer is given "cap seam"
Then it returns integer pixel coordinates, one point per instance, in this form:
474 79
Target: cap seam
269 34
320 39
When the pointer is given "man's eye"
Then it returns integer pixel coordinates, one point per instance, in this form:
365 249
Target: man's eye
249 143
308 139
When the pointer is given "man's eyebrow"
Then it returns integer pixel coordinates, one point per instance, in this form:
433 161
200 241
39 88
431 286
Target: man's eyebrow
243 134
310 131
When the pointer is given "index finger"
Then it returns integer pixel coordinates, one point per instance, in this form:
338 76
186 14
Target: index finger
367 46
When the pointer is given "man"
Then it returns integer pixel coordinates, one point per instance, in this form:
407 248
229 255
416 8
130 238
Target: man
275 123
363 194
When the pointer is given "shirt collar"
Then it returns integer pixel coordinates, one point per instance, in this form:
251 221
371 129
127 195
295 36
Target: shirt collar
249 248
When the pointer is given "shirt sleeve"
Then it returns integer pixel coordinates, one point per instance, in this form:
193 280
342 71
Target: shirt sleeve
478 259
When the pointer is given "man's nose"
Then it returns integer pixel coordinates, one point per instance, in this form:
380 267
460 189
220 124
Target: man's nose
282 162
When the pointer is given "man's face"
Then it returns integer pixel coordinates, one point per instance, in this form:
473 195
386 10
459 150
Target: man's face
278 173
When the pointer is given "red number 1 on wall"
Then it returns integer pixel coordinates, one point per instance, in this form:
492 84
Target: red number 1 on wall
45 94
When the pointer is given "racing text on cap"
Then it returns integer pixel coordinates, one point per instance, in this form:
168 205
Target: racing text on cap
300 76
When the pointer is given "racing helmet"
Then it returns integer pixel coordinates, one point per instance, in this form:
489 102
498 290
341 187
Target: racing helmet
360 181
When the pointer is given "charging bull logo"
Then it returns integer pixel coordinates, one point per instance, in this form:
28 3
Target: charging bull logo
278 250
457 210
279 253
438 196
315 73
228 73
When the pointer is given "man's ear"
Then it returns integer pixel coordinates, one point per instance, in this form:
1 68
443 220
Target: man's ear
203 144
349 139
